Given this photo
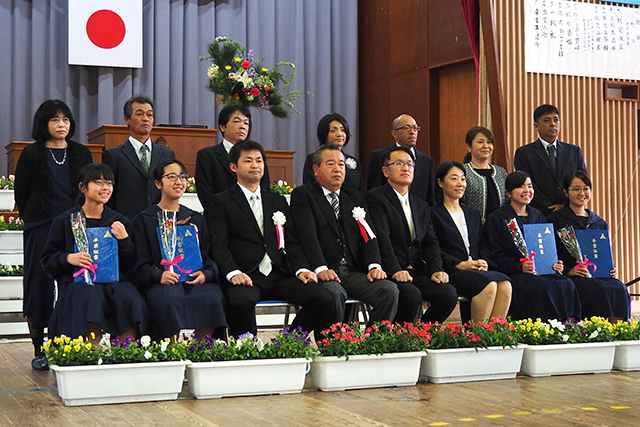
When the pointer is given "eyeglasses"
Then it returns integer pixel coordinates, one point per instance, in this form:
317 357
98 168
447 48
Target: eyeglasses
577 190
408 128
173 177
401 164
103 182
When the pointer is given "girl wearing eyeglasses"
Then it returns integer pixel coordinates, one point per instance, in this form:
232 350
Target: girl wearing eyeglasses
606 297
84 309
173 304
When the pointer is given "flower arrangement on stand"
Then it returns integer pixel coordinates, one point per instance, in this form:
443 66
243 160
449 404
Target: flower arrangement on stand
627 334
277 366
7 183
566 347
11 270
116 371
381 355
191 185
238 79
281 187
474 351
11 224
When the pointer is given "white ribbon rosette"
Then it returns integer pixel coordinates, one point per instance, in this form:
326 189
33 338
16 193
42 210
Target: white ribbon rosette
279 220
351 163
359 214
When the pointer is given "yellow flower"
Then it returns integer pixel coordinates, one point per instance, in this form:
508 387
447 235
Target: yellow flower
46 345
77 348
67 348
88 346
536 334
237 59
228 67
93 336
67 340
265 69
81 339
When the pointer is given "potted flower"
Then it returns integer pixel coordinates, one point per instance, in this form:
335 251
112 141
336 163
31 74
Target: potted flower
116 372
627 334
247 366
475 351
569 347
381 355
6 193
11 230
190 196
11 281
281 187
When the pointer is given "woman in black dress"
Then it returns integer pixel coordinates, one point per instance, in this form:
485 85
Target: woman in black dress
46 185
464 254
547 297
606 297
83 309
193 304
334 129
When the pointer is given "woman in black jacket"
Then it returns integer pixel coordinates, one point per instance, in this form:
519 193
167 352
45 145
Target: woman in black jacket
46 185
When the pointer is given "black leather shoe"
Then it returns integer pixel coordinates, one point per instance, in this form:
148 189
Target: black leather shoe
40 363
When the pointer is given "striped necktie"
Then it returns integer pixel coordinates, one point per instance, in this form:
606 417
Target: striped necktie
144 158
551 150
335 204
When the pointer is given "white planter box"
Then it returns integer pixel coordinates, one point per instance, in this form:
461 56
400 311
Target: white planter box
465 364
364 371
568 359
13 259
6 200
11 287
191 201
627 356
11 242
126 382
246 377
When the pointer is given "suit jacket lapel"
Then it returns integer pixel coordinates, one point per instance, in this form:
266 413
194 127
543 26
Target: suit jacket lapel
419 225
241 200
223 158
155 158
130 153
395 203
346 206
544 157
326 208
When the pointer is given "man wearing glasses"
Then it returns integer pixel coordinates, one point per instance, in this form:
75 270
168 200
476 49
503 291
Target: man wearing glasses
404 130
133 161
408 245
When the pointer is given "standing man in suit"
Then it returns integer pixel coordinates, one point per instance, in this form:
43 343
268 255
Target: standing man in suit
133 161
548 160
404 130
338 241
408 244
256 249
213 173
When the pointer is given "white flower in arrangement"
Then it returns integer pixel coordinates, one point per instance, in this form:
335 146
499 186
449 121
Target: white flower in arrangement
100 361
242 78
279 218
105 342
358 213
593 335
259 344
565 338
212 71
281 182
147 355
556 324
145 341
163 345
351 163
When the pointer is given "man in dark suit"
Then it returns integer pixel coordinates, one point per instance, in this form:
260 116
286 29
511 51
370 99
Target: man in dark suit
133 161
338 242
255 247
405 133
213 173
548 160
408 244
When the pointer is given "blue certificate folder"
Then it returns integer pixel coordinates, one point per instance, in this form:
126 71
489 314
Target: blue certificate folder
541 239
188 245
595 245
103 248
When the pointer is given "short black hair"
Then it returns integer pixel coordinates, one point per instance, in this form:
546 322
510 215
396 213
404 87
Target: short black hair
159 170
227 111
515 180
323 127
246 145
544 109
317 156
441 172
580 174
140 99
46 111
387 154
90 172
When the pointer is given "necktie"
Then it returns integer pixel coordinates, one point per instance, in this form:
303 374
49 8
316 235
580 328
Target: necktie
551 150
335 204
256 207
144 159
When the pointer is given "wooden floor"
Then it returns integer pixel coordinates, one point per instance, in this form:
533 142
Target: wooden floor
29 398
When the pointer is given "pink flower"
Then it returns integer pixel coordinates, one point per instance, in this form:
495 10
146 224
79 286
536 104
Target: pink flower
254 91
246 64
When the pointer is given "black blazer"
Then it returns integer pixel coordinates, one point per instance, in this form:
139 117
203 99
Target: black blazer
32 185
451 243
317 227
424 179
354 179
237 243
533 159
213 174
397 249
133 191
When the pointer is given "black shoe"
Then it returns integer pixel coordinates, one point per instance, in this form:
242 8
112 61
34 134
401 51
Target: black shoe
40 363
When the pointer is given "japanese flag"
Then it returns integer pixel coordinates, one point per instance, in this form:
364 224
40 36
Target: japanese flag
106 33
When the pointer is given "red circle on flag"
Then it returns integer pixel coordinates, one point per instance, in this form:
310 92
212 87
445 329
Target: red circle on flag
105 29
